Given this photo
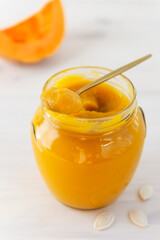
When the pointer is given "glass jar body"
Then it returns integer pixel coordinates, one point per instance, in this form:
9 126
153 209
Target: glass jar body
87 170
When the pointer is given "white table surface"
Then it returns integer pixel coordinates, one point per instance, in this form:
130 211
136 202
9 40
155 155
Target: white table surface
99 32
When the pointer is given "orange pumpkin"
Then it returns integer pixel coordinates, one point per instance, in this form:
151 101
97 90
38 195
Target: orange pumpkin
35 38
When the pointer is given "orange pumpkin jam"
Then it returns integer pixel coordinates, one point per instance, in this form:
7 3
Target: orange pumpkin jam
87 147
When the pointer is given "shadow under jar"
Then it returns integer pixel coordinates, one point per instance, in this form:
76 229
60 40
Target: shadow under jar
87 163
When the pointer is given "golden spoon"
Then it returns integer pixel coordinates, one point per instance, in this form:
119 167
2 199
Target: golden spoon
112 74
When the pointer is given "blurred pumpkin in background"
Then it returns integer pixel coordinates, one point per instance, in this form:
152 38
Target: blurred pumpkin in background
36 37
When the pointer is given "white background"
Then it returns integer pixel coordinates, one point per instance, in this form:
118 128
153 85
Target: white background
106 33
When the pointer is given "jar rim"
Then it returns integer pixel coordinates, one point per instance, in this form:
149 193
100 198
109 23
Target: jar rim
102 118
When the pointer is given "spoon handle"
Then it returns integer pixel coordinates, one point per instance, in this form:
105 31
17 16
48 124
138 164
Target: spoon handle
113 74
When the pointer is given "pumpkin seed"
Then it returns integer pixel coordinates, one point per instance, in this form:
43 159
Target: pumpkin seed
146 192
104 220
138 218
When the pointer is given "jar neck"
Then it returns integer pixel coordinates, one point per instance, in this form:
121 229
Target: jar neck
91 126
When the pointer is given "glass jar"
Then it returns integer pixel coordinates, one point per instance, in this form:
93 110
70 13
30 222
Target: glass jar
87 163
